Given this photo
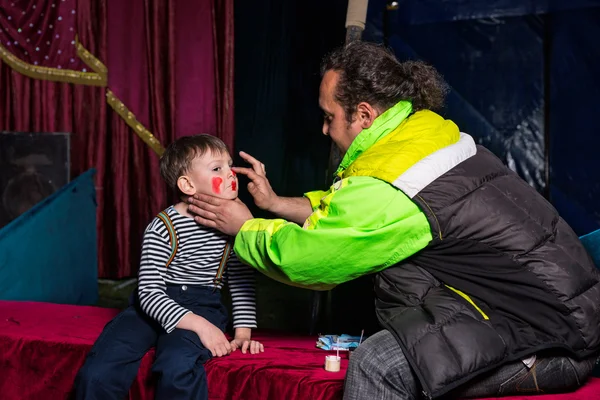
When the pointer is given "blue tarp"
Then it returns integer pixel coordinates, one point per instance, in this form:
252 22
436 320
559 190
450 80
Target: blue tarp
50 253
524 82
591 241
413 12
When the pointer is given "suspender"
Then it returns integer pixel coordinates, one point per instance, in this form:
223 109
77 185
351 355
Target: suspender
174 241
223 264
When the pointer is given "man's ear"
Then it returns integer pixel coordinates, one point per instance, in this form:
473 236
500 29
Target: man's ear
186 186
366 114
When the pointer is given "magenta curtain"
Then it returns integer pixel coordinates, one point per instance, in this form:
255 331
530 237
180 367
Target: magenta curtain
170 63
182 52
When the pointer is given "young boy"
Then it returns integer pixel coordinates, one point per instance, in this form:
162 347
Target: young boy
179 307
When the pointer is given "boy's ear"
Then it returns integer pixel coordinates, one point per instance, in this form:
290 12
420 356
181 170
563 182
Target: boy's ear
186 186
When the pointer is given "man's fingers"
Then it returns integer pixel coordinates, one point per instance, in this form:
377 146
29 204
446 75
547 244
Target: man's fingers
201 208
202 199
249 172
249 159
201 212
212 351
257 166
206 222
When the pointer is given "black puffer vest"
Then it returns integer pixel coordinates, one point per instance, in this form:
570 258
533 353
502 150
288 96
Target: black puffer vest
503 278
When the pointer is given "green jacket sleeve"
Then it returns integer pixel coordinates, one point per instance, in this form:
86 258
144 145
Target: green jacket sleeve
360 226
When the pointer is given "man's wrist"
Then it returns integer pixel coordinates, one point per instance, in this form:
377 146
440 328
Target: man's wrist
275 207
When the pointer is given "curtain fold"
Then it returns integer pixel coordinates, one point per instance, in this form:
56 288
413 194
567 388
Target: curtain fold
162 83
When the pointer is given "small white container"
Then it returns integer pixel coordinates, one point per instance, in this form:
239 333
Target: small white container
332 363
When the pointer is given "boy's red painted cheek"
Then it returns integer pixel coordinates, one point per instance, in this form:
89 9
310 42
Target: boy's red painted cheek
216 185
233 185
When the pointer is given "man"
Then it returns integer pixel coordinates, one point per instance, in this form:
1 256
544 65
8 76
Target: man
481 288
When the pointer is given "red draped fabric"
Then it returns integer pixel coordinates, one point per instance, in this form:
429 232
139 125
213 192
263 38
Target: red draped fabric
42 346
160 57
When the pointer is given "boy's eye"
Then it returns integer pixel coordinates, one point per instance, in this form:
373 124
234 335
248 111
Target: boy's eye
216 169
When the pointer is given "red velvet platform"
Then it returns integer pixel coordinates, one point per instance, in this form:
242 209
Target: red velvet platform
43 345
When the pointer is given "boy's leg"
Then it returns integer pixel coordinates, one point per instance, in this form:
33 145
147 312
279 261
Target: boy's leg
180 358
180 355
113 362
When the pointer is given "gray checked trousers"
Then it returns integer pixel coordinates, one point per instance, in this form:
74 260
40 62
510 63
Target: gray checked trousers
378 370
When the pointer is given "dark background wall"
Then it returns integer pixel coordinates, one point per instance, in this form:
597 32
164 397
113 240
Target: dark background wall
524 81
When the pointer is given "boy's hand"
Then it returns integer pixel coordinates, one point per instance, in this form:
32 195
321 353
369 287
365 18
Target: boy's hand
242 341
214 340
254 346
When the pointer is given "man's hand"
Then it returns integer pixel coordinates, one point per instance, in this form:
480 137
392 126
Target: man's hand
227 216
259 186
295 209
242 341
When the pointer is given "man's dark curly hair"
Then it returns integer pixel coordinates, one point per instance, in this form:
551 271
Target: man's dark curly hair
370 73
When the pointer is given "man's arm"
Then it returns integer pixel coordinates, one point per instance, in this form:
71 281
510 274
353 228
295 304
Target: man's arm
361 227
228 216
295 209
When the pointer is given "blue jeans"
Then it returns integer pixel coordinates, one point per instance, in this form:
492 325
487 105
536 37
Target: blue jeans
378 370
113 362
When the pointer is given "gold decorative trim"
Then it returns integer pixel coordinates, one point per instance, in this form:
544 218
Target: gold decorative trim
91 61
97 78
133 123
53 74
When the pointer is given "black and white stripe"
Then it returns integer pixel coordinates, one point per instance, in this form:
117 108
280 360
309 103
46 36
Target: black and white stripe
196 263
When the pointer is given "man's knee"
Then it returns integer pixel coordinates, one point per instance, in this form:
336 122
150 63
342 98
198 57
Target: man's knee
379 368
369 356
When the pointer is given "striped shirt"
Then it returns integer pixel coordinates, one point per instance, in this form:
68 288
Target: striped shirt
196 262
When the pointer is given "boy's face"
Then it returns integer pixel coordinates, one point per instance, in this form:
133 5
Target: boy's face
211 174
